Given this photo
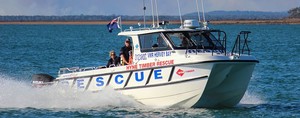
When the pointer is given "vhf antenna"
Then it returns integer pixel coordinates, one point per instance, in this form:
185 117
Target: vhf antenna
198 11
203 11
144 8
179 10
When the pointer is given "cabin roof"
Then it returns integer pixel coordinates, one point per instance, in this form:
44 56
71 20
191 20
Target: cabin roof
130 33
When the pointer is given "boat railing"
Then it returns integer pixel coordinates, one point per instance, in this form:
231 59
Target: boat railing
76 69
136 29
220 42
68 70
241 44
88 68
141 29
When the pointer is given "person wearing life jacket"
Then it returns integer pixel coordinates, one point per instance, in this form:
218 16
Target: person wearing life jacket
130 57
124 52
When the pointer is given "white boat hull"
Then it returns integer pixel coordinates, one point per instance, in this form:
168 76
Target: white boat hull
173 94
209 84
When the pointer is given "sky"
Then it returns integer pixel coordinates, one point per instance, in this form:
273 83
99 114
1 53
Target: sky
135 7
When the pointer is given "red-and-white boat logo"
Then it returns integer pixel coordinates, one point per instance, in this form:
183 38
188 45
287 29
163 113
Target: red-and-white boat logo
181 72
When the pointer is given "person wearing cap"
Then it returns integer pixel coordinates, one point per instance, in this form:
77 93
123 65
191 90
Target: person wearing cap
114 60
124 52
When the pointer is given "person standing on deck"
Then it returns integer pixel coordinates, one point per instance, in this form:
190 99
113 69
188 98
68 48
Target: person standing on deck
124 52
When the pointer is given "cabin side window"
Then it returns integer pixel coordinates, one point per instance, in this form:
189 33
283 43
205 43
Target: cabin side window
152 42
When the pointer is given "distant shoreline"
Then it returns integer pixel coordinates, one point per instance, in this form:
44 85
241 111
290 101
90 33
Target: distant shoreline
280 21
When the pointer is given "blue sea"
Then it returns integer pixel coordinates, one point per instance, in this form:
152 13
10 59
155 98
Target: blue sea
274 89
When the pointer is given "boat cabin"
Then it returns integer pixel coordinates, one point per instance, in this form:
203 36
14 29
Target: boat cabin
157 47
152 45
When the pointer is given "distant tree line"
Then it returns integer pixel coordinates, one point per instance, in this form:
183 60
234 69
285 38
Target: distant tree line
241 15
79 18
294 13
214 15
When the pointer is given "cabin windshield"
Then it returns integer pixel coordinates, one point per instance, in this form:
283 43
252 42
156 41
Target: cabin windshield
206 40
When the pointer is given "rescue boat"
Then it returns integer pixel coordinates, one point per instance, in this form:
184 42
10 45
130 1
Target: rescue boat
188 67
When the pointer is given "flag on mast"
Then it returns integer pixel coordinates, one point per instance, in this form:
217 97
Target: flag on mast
114 24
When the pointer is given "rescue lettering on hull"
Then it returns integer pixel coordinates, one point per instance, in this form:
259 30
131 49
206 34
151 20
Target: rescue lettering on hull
149 65
118 80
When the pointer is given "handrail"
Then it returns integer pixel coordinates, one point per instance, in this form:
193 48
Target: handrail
140 29
222 42
68 70
87 68
74 69
237 45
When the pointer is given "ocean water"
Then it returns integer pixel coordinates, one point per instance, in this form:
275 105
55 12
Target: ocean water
28 49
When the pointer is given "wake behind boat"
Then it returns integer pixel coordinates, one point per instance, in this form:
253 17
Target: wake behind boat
182 67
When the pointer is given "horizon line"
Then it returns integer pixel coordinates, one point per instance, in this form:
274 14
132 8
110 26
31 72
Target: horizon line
160 15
